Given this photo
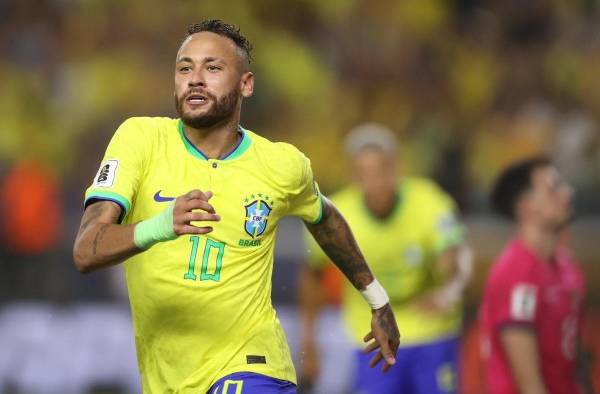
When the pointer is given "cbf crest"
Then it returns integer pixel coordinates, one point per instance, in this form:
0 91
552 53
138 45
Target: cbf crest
257 213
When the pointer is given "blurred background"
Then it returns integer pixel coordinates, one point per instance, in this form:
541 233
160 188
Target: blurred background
468 86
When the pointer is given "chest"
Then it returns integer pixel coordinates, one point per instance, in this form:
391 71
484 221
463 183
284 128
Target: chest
391 245
560 294
560 302
249 202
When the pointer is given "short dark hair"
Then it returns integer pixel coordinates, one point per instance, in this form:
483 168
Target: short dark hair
223 29
513 182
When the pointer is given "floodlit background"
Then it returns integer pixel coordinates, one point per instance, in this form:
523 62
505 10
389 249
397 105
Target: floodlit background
467 85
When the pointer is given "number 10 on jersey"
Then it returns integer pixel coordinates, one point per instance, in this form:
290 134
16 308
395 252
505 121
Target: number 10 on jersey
212 260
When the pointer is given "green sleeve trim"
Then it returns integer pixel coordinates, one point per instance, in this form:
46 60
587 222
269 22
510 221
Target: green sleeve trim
109 196
321 210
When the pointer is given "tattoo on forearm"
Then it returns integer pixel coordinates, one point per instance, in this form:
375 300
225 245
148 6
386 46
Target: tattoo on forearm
99 236
335 238
91 213
94 211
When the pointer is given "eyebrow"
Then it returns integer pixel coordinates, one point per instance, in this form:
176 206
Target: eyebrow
204 60
185 59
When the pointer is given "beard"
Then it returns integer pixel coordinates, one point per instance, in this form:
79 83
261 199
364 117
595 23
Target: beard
220 111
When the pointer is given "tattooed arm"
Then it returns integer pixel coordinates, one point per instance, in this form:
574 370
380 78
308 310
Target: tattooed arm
334 236
102 242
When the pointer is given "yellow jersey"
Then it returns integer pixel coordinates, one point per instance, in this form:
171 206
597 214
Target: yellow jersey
201 305
401 250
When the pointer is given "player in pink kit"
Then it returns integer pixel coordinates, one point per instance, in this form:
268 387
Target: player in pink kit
532 305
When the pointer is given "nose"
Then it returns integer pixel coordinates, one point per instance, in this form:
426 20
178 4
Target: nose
197 79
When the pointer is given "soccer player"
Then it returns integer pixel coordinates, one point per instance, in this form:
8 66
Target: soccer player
192 207
532 302
409 233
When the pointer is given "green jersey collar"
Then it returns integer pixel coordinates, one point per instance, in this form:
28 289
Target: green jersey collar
239 149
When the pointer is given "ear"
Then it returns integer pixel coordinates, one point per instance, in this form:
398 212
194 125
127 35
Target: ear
247 84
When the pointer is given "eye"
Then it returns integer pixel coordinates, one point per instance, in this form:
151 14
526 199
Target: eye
184 69
213 68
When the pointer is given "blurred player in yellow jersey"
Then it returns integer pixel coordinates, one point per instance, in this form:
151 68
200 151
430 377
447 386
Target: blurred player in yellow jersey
191 205
410 235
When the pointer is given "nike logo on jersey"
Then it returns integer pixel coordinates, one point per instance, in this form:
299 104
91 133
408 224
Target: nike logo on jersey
159 198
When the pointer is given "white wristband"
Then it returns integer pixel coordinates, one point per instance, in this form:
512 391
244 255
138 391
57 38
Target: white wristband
375 295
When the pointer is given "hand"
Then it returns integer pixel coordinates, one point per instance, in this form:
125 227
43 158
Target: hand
184 213
439 301
310 367
386 337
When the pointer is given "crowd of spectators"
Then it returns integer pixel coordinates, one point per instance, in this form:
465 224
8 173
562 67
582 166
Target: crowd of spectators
469 85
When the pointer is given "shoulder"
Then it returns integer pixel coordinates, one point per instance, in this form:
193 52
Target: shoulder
427 202
425 189
513 266
284 153
347 196
282 159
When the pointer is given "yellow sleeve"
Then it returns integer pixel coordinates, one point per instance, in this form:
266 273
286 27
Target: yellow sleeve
446 229
119 175
304 197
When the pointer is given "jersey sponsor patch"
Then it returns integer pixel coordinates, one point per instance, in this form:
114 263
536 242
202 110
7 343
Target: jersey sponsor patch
106 174
523 301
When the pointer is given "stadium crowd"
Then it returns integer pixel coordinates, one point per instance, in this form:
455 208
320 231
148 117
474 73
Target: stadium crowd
468 86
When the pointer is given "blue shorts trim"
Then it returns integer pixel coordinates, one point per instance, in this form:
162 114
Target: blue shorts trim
430 368
251 383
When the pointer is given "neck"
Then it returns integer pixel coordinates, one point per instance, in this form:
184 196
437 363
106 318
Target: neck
542 241
215 141
382 206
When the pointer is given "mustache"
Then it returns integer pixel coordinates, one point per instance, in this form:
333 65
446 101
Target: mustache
202 92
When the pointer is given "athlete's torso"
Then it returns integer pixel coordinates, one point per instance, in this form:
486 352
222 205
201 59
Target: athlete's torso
522 289
201 304
401 250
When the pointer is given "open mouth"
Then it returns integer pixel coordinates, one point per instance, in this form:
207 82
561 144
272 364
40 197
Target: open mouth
196 99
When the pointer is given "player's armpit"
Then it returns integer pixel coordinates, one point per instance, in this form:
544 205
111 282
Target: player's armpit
520 345
100 241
